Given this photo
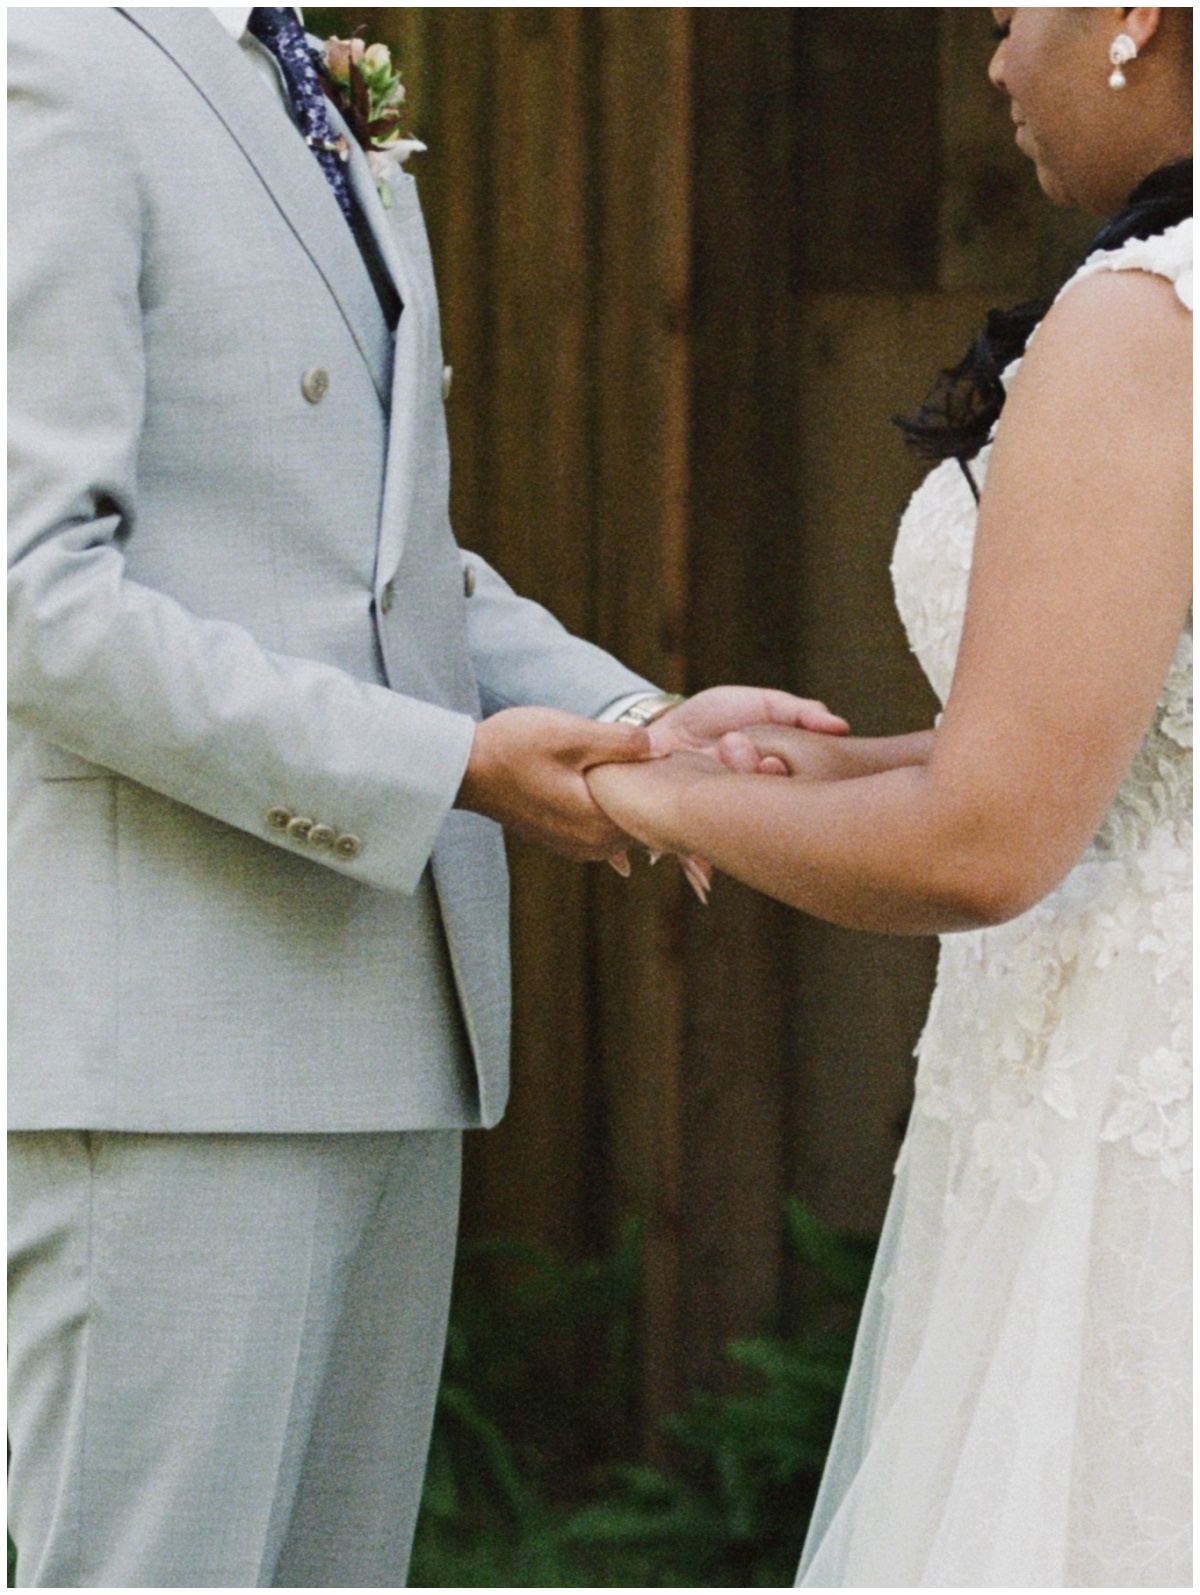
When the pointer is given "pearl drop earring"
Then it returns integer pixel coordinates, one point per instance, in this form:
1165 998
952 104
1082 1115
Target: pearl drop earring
1120 51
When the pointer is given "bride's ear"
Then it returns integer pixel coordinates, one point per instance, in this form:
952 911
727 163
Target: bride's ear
1141 23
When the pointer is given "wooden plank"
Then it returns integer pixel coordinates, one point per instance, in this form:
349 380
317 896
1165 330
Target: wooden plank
535 521
641 194
859 1000
741 621
864 202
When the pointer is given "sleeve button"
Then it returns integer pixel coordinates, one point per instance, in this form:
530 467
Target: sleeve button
469 581
279 818
322 836
298 827
347 845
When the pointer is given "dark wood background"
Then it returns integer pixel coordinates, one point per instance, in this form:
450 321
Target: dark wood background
691 260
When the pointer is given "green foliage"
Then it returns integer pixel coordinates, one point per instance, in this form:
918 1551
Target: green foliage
326 22
530 1480
535 1396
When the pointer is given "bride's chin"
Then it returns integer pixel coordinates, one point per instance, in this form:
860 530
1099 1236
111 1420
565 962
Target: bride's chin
1052 185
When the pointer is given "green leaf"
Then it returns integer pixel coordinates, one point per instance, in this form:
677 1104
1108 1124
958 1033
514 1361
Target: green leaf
843 1260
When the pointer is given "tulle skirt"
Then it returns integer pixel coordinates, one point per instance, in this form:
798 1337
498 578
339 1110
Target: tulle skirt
1018 1410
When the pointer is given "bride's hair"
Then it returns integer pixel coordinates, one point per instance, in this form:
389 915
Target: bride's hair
964 403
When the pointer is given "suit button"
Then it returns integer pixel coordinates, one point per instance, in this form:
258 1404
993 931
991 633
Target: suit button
298 827
279 818
322 836
314 384
469 580
387 598
347 845
447 378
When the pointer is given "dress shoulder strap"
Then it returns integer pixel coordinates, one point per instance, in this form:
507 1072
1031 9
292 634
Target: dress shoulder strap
1167 254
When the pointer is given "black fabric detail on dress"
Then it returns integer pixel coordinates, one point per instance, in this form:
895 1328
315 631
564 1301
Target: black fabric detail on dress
964 403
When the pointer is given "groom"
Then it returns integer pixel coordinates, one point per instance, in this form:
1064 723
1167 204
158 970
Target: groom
266 715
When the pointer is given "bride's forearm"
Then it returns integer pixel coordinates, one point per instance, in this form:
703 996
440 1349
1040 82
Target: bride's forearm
864 852
813 756
876 852
825 758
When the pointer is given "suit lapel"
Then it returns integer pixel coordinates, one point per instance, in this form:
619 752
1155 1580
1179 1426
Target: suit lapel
410 361
362 182
203 52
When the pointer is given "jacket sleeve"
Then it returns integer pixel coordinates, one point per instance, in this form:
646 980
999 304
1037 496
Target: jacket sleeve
114 672
523 655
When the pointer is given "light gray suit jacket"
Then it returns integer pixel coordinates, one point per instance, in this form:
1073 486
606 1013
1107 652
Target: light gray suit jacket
230 604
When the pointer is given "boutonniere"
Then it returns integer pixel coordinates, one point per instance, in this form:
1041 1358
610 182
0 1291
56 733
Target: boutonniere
360 80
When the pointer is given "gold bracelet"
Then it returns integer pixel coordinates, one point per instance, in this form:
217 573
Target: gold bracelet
649 708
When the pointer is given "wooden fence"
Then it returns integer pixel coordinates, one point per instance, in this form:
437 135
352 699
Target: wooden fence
691 260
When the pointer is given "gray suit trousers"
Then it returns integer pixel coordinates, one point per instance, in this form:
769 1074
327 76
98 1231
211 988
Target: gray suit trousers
225 1352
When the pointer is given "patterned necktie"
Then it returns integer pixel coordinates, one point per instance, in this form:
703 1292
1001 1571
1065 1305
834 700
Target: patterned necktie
278 28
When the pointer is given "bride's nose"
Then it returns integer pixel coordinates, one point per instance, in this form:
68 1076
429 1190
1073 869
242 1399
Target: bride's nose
995 69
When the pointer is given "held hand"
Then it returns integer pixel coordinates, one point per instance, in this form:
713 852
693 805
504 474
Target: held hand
642 799
699 724
527 769
782 750
811 756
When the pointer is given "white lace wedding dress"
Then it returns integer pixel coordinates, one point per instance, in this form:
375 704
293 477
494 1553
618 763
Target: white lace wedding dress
1018 1411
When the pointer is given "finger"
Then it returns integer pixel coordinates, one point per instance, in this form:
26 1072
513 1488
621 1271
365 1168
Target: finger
783 708
770 741
771 766
620 862
615 744
816 717
736 751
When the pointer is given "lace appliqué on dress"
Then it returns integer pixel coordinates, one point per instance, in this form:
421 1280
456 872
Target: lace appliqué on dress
992 1053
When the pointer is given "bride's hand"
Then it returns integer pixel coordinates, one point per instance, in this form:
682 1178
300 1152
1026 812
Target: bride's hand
698 724
783 750
647 809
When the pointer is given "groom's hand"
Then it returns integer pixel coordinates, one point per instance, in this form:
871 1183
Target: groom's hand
698 724
527 768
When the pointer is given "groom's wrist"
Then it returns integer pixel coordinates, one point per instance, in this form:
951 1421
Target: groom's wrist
641 709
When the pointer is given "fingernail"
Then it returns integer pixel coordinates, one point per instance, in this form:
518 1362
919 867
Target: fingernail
620 862
695 879
702 868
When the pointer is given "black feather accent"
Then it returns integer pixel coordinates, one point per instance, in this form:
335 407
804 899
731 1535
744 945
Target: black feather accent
965 402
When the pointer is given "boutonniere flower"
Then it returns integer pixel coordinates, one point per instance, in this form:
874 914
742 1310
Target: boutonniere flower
360 80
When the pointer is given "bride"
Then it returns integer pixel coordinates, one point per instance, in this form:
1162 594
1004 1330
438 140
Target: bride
1018 1411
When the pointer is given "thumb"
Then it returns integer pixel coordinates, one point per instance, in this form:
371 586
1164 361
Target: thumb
615 744
816 717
